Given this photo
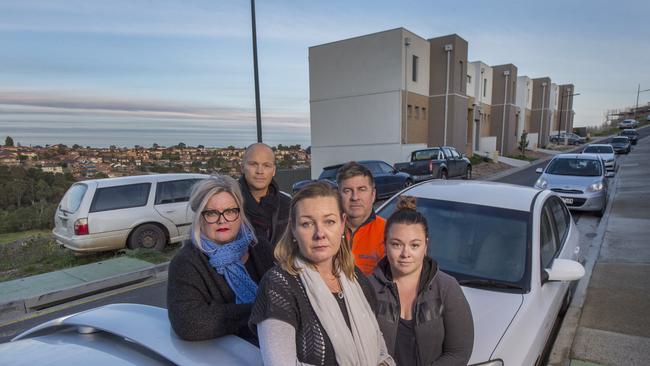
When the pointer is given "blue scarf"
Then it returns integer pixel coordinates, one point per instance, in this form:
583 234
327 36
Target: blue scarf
226 260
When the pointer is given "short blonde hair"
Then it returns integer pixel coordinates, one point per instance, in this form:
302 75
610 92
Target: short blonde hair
287 250
201 194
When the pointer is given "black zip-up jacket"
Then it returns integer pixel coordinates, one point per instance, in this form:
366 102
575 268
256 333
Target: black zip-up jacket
270 216
444 329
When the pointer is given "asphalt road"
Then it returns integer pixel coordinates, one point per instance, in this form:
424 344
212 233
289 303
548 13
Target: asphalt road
154 293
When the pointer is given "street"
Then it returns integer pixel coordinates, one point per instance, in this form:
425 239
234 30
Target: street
154 292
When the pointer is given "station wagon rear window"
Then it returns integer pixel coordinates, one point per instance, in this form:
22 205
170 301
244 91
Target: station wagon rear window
72 199
114 198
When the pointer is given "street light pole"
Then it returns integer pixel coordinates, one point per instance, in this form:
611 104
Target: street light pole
566 122
638 91
407 43
448 48
541 119
258 115
505 101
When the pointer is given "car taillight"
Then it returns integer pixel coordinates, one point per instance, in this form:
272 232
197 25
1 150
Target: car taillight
81 227
430 166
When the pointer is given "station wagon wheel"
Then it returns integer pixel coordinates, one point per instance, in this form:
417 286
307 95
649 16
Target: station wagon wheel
443 175
148 236
408 183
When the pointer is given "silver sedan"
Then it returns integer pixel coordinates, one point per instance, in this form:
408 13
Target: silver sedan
580 179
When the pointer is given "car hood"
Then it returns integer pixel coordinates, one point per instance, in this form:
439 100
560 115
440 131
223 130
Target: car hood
492 312
569 181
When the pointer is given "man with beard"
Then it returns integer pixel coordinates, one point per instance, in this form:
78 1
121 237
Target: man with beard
266 206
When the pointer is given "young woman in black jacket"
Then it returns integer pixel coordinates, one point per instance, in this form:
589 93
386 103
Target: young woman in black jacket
422 312
213 278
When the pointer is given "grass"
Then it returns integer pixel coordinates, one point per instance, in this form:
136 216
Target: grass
477 159
12 237
522 157
35 252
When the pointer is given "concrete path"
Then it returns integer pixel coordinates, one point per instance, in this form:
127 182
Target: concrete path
25 295
614 328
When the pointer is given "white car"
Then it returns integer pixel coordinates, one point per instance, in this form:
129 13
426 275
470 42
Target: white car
513 249
605 152
121 334
142 211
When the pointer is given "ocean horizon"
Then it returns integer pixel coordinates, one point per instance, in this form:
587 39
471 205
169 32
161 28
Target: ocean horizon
162 132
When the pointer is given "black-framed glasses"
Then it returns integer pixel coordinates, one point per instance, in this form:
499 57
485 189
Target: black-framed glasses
213 216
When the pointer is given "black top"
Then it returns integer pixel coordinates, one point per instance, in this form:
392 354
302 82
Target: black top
201 304
270 216
406 347
282 296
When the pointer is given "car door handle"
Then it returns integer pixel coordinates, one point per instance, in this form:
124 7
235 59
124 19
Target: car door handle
172 211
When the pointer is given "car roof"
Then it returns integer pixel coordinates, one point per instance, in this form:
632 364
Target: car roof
576 156
629 130
132 179
598 145
482 193
336 166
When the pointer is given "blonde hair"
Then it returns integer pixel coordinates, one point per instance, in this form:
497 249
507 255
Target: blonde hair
201 194
287 250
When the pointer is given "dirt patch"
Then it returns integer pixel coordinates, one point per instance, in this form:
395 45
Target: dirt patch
484 170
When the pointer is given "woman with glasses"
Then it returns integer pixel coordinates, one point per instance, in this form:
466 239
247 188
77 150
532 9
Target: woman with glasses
313 307
213 278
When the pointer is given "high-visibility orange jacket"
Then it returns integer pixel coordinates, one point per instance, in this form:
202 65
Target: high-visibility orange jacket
367 243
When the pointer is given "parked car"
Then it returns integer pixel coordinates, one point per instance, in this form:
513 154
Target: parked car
605 152
571 138
144 211
621 145
121 334
628 123
513 249
388 181
436 162
630 133
580 179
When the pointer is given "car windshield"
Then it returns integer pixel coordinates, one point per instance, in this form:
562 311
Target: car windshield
599 150
577 167
620 140
329 173
475 242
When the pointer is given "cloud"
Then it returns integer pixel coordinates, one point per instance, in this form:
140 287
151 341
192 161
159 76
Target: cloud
21 102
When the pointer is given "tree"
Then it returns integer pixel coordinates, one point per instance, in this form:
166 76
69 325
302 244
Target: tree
523 143
9 141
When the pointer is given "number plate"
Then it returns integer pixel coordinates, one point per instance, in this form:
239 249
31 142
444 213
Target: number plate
568 201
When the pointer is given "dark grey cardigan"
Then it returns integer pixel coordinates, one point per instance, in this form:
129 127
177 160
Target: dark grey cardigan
444 329
200 303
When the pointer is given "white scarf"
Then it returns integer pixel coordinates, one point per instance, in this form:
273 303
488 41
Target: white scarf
362 343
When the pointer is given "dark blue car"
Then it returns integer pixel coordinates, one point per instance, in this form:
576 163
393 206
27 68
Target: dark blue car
388 181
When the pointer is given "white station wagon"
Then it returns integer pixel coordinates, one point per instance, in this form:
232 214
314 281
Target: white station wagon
513 249
143 211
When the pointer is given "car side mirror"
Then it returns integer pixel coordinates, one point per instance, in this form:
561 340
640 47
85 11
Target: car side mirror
564 270
539 170
610 175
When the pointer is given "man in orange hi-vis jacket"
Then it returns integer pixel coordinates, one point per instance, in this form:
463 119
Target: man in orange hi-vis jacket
364 229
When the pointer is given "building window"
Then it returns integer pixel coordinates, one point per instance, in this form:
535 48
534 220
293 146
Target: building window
484 87
417 112
462 74
469 79
414 75
410 110
424 113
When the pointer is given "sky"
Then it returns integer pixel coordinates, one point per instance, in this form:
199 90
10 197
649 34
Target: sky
131 72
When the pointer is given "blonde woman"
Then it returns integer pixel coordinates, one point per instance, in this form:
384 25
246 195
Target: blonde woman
312 307
213 278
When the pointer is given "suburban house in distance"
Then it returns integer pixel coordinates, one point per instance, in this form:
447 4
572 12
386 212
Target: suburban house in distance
384 95
564 116
524 110
541 114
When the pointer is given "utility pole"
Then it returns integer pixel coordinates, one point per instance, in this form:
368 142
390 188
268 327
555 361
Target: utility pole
638 91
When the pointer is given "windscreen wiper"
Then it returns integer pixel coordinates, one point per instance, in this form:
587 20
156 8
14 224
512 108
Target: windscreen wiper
476 282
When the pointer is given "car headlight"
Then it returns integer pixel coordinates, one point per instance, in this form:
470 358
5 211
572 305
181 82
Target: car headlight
489 363
541 183
595 187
